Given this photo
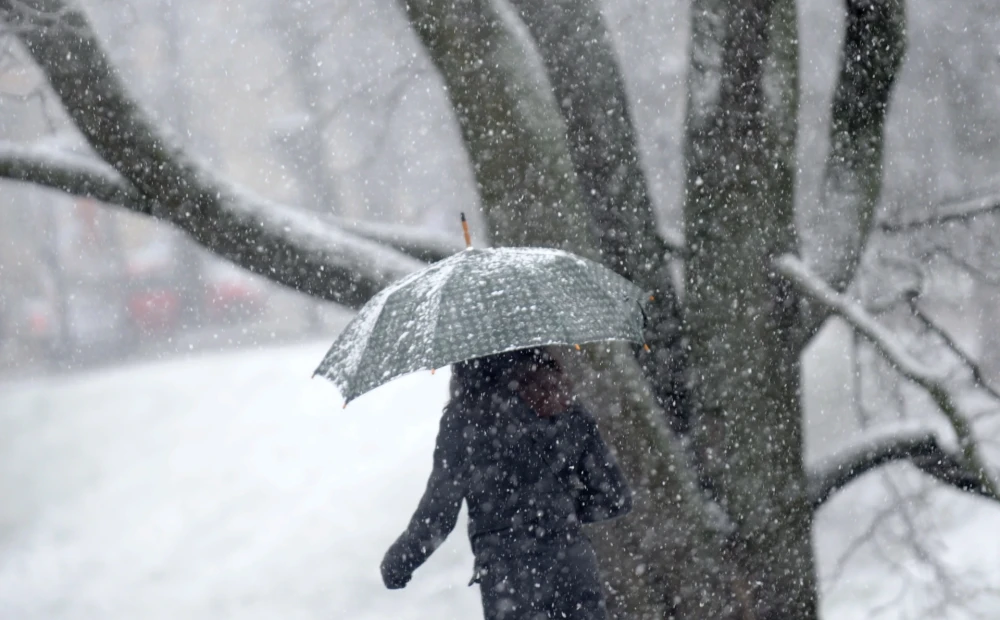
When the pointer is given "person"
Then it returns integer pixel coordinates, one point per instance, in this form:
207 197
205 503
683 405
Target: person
531 466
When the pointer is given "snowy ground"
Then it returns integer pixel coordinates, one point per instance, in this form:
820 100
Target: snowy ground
233 486
227 486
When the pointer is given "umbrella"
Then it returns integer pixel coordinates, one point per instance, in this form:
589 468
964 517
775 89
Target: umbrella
477 303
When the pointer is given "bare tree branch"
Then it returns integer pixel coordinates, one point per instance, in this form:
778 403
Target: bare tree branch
392 103
870 453
918 446
932 325
88 177
510 123
400 79
280 243
874 524
958 211
965 265
576 48
888 345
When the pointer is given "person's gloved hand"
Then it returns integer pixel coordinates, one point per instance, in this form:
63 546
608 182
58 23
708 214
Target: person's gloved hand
395 574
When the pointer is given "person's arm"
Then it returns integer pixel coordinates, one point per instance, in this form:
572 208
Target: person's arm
605 493
437 512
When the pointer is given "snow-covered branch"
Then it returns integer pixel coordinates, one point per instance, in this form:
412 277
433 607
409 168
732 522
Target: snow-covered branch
889 346
79 175
158 178
959 211
919 446
89 177
418 243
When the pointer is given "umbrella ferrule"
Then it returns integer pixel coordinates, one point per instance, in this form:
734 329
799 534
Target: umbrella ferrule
465 231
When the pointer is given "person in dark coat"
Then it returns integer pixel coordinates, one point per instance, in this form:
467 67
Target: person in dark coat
532 467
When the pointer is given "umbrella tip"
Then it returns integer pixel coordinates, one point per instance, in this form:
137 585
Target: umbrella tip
465 231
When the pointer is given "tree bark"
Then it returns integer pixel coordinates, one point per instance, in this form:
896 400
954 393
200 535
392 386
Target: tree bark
509 123
741 318
666 559
576 48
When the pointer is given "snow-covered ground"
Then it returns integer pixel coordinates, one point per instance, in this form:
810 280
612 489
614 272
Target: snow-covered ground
233 486
225 486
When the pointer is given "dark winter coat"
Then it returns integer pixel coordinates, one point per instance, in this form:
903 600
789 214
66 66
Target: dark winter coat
529 482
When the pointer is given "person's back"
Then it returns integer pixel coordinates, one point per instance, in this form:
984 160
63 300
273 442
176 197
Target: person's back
529 479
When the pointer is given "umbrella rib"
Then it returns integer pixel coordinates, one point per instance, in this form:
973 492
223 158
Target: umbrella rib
432 345
552 311
588 273
327 363
367 341
401 286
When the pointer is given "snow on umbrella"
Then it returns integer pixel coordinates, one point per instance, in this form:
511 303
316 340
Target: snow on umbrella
477 303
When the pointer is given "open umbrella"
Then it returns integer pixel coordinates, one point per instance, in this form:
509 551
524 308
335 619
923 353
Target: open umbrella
478 303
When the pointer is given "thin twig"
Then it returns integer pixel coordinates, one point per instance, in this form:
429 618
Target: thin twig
956 348
958 211
966 266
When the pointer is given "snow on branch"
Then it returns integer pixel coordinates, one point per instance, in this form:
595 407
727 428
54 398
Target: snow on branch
889 346
79 175
290 247
89 177
919 446
959 211
410 240
158 178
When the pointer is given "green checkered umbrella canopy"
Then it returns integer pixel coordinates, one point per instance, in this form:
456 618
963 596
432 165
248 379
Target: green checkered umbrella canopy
478 303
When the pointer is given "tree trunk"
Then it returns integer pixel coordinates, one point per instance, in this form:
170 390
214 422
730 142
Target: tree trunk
664 559
872 53
741 317
582 66
509 123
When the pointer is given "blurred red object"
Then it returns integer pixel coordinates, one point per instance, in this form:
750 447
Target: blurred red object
229 298
155 309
